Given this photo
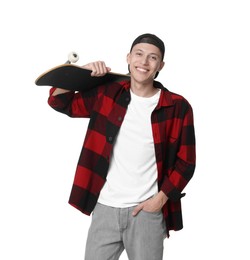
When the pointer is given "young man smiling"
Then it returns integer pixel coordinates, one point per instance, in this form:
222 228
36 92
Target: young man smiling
137 157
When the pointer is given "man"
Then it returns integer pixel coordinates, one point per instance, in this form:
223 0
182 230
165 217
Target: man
137 157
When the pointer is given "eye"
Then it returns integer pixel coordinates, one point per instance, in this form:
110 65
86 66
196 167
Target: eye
153 57
138 53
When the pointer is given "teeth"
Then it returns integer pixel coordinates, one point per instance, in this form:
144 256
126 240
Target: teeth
142 70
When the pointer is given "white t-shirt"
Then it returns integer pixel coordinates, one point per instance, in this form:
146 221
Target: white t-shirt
132 176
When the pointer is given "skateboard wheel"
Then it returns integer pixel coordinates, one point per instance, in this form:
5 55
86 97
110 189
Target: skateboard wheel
73 57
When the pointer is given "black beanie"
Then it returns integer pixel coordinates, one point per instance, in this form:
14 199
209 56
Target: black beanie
151 39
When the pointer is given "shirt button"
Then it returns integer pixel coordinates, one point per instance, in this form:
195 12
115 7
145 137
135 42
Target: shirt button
110 138
127 99
119 118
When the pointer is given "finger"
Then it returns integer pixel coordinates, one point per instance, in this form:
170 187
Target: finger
137 209
98 69
94 69
102 68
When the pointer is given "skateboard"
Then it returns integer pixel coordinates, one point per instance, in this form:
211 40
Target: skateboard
74 77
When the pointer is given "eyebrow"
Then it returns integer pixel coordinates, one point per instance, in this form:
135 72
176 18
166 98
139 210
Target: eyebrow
152 53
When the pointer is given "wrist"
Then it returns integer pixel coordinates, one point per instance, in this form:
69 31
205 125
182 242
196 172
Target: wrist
163 197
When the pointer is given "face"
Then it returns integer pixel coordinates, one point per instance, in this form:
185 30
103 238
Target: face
144 61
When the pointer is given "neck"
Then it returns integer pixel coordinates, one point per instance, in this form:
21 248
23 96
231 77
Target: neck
143 90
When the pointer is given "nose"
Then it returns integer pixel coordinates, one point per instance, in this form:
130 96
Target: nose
144 60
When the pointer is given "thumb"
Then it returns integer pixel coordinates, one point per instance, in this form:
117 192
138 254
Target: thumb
137 209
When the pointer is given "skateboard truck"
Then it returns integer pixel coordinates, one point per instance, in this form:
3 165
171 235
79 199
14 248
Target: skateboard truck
73 57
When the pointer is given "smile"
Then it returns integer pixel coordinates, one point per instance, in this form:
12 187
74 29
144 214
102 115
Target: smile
141 69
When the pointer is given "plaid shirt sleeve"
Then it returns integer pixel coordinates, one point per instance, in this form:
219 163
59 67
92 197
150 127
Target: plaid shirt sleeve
79 104
184 165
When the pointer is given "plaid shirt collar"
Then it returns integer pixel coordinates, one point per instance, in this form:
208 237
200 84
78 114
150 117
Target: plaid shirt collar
165 99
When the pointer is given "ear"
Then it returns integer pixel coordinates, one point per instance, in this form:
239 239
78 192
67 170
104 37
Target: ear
128 58
161 66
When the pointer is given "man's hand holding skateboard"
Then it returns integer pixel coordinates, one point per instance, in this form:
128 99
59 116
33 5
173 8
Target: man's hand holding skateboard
98 69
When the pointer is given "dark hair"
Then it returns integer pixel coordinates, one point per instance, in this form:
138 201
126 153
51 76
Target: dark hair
151 39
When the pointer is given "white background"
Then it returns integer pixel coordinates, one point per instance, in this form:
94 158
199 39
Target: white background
207 61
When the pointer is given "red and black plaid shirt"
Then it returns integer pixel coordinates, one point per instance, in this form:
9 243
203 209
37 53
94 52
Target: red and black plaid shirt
173 134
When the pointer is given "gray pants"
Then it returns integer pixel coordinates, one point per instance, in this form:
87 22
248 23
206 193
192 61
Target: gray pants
114 229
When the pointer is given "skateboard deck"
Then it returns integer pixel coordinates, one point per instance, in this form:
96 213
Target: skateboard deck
73 77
